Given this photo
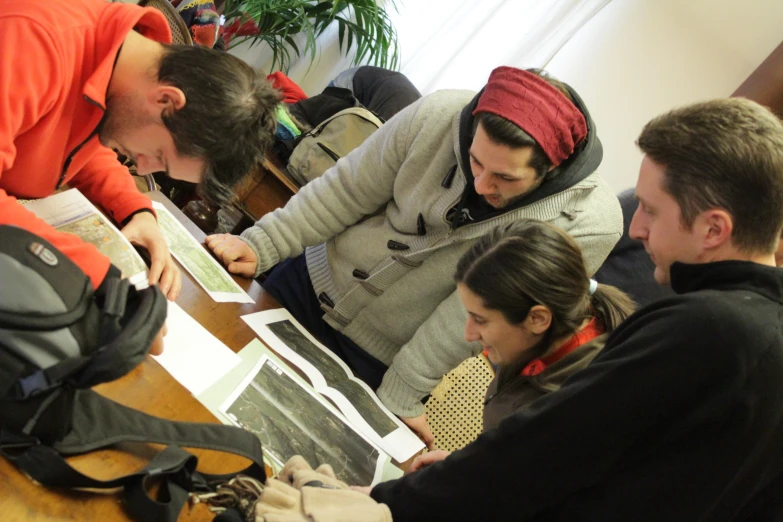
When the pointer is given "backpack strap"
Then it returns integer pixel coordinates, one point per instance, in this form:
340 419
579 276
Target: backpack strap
99 422
174 467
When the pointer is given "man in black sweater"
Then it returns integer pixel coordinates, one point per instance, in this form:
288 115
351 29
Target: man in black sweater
681 416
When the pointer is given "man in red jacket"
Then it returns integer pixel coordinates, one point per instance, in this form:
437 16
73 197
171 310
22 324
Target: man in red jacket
81 77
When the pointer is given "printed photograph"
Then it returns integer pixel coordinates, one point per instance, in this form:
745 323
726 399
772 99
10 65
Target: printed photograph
290 421
193 256
335 376
93 229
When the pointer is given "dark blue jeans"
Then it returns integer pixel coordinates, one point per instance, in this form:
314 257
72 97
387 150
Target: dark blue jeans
289 283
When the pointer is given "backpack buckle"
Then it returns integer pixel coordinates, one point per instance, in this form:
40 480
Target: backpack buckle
114 302
116 297
28 386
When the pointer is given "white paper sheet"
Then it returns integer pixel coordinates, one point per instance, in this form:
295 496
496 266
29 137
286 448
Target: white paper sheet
191 354
291 419
331 377
212 277
71 212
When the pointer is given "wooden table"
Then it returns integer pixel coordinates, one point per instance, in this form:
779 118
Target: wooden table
151 389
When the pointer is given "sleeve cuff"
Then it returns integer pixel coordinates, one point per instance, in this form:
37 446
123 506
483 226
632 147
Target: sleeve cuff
262 246
127 219
127 209
402 399
381 492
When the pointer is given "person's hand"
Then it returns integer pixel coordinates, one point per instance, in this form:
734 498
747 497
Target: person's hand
425 459
362 489
408 463
238 257
143 230
156 348
421 428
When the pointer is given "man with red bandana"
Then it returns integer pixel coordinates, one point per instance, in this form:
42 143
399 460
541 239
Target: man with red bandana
383 229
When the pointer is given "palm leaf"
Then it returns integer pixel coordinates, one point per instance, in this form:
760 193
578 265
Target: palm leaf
360 23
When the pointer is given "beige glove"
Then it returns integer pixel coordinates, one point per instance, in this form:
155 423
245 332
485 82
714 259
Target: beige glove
298 473
280 503
325 499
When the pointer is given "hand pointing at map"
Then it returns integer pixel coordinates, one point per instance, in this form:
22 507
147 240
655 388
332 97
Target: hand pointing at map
238 257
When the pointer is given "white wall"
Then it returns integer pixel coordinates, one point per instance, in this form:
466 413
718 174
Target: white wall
639 58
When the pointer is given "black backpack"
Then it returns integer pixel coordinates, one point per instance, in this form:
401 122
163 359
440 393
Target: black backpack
58 338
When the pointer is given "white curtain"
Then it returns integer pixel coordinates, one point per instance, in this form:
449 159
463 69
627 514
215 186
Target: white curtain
451 44
457 43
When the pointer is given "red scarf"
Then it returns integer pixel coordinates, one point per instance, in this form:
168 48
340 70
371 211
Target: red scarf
592 330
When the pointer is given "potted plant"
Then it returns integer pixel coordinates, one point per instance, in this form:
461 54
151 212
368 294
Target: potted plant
283 24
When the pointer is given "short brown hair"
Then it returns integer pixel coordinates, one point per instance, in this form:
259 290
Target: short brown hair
726 154
229 118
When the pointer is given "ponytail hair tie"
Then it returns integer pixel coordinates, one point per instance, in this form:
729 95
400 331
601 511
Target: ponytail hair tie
593 286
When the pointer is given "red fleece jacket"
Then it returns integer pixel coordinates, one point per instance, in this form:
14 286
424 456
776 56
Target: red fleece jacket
57 60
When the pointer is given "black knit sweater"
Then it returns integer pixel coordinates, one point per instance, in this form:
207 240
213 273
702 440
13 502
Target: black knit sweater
680 418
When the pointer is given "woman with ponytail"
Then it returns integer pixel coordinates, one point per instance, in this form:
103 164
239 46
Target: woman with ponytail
535 311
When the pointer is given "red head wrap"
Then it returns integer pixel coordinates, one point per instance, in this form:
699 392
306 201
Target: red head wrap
536 107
